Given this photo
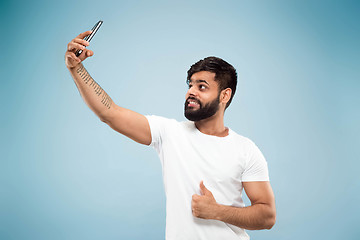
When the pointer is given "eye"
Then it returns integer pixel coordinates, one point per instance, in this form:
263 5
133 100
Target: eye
202 87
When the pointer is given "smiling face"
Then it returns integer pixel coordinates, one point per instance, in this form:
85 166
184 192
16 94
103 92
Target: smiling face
202 98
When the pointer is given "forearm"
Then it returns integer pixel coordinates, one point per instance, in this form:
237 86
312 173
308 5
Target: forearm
255 217
94 96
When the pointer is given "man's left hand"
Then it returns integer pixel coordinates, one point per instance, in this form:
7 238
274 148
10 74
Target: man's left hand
204 205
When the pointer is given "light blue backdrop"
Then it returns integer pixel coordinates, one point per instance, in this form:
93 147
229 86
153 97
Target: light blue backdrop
66 175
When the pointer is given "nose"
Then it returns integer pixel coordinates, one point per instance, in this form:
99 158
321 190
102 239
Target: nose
191 92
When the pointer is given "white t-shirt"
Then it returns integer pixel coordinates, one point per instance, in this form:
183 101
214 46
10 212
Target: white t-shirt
223 163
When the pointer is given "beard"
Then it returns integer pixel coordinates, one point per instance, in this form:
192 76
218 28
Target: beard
203 112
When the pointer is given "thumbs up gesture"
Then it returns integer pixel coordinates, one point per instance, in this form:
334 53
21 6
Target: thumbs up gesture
204 205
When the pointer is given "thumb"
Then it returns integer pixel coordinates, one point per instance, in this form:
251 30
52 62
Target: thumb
89 53
85 54
203 189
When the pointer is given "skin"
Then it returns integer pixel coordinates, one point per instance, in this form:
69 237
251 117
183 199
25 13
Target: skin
203 87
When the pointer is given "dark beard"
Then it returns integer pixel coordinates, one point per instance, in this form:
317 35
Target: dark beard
203 112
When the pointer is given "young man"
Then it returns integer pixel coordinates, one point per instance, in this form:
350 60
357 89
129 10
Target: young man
205 164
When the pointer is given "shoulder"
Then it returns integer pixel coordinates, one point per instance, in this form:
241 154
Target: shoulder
244 144
241 139
155 118
163 122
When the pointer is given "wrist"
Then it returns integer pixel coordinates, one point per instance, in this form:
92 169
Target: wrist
73 68
218 210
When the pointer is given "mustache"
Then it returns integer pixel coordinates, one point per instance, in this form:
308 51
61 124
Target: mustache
194 99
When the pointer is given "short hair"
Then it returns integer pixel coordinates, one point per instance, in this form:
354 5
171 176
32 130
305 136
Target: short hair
225 73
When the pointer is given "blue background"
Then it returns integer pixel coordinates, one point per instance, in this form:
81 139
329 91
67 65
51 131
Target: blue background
66 175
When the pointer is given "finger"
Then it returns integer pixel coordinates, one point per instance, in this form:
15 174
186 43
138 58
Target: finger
69 60
75 46
73 57
195 197
85 54
203 189
84 34
89 53
82 55
81 41
194 213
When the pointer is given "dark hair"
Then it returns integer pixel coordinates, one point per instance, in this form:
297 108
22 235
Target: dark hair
225 74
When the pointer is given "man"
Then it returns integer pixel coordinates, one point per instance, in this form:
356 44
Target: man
205 164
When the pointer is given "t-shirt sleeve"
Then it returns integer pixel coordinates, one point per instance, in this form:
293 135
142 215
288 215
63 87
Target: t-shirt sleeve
256 168
157 125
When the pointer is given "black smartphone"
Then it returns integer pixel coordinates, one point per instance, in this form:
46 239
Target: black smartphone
89 37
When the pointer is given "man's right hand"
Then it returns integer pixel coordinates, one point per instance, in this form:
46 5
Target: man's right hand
71 60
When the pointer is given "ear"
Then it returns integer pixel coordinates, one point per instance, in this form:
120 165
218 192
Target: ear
225 95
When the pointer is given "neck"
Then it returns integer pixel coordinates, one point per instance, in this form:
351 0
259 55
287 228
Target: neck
213 125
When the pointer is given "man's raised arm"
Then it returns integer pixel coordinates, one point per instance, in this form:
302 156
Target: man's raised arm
125 121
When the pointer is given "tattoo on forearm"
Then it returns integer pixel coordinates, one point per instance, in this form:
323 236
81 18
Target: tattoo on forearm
85 76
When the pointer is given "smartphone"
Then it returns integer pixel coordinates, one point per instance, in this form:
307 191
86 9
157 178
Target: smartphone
89 37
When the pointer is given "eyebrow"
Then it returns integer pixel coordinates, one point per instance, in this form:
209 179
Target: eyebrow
198 81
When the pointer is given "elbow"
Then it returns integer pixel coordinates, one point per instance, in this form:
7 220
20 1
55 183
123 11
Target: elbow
103 119
107 115
270 222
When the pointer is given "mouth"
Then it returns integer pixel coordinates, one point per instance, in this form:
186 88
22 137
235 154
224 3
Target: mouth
193 103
